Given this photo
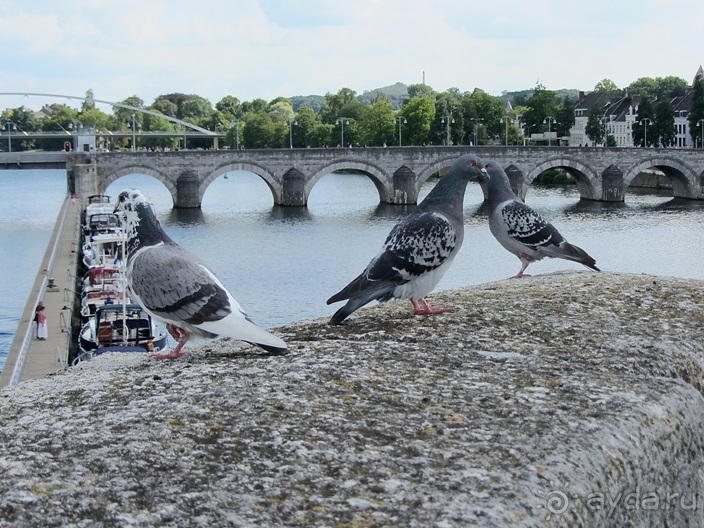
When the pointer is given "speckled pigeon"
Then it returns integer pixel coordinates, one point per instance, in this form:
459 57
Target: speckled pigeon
419 249
521 230
176 288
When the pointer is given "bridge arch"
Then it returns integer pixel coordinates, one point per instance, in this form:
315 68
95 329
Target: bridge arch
438 165
139 169
686 183
587 179
382 181
258 169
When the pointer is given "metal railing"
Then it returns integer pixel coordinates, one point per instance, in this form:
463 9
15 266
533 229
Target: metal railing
26 342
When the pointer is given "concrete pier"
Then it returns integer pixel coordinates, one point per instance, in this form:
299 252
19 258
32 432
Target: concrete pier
54 285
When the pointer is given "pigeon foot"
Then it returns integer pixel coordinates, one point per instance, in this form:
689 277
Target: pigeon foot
520 276
170 355
421 307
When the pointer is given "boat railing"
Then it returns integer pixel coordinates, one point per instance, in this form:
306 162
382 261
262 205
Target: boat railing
27 340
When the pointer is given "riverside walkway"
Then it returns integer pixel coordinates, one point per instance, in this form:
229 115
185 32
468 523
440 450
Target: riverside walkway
54 285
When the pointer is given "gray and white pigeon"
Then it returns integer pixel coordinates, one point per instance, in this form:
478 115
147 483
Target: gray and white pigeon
419 249
522 231
176 288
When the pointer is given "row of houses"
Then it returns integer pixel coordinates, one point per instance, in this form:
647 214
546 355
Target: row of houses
621 113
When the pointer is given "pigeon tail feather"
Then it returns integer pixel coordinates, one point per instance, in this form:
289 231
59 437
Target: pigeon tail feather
577 254
378 292
273 350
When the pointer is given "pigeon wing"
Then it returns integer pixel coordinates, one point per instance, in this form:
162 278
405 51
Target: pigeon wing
528 227
415 246
173 285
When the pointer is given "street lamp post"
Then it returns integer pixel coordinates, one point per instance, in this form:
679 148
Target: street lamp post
447 120
701 134
134 136
475 127
645 122
75 129
290 132
505 120
549 120
398 118
527 133
9 126
341 121
236 124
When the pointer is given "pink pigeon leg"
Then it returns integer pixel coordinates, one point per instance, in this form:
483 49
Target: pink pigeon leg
180 335
421 307
520 274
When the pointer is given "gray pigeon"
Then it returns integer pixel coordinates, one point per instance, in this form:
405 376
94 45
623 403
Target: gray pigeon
521 230
419 249
176 288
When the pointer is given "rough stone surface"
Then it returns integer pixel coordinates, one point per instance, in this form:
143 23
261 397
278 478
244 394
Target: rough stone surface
558 400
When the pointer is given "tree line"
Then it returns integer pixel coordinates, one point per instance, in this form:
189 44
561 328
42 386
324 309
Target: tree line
423 117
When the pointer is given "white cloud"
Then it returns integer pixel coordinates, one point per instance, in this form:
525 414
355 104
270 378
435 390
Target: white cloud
276 48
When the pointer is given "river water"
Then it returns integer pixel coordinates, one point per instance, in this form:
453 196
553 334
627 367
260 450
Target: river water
281 264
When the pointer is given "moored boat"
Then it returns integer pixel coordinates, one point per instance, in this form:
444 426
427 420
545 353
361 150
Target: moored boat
120 328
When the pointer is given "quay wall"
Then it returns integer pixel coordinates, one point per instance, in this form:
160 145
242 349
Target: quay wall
569 399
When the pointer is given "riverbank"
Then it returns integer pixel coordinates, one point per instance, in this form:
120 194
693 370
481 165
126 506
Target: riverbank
569 397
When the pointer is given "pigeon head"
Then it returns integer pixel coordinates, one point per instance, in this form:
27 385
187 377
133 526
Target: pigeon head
450 188
499 186
141 224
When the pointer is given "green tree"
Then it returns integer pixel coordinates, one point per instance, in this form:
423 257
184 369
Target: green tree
646 87
230 106
19 120
303 133
565 116
96 119
377 124
696 113
540 105
342 104
255 105
89 104
608 87
196 110
664 127
421 90
483 113
671 86
151 123
448 119
642 128
595 129
321 134
165 107
420 114
259 131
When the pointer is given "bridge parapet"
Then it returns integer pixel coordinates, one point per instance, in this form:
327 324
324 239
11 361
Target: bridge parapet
398 173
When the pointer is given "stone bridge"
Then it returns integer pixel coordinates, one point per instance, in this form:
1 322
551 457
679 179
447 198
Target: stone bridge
398 173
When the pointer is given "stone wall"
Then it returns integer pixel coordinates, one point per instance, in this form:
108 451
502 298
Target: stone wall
559 400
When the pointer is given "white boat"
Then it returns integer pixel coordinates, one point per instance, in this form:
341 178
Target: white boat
97 204
120 328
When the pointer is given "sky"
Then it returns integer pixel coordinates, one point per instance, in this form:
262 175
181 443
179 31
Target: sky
271 48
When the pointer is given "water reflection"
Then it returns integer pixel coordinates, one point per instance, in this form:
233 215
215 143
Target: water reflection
182 217
289 215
